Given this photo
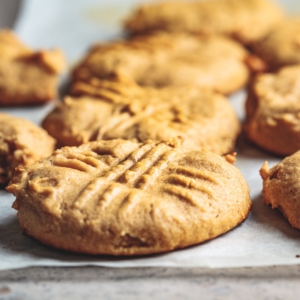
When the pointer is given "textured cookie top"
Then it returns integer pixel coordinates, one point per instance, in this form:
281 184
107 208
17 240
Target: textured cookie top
278 90
273 111
162 59
12 49
246 20
21 143
281 46
124 198
27 77
281 187
121 109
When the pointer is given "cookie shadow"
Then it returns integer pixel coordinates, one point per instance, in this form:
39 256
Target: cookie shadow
64 87
20 246
272 218
246 148
14 243
2 187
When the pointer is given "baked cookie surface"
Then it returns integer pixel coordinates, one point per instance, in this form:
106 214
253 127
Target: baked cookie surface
161 60
27 77
281 47
246 20
124 198
281 187
108 110
273 111
21 143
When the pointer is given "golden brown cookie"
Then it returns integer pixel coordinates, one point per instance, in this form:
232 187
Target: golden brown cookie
282 46
27 77
273 111
124 198
245 20
121 109
21 143
161 60
281 187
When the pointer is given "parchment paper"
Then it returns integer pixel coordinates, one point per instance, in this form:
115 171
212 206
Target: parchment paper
266 238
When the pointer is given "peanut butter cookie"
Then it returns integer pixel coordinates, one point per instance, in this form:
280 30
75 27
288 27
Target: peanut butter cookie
124 198
27 77
281 187
282 46
105 110
273 111
162 60
246 20
21 143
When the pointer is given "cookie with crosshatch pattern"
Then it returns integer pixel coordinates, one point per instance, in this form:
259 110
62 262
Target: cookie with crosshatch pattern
125 198
119 108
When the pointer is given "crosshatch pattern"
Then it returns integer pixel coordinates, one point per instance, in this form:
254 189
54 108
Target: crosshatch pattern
125 198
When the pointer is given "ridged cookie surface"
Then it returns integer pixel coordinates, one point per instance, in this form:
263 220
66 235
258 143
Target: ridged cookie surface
121 109
161 60
281 187
273 111
27 77
21 143
124 198
245 20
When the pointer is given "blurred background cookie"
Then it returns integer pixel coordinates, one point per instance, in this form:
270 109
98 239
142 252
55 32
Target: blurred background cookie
246 20
161 59
27 77
121 109
123 198
21 143
273 111
281 47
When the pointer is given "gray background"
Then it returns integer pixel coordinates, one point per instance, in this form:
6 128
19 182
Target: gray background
8 12
144 283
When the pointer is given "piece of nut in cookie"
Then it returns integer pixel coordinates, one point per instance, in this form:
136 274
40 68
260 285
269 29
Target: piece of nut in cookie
21 143
120 197
281 187
27 77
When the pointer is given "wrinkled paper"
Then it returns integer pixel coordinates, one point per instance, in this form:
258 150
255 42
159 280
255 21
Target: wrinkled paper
264 239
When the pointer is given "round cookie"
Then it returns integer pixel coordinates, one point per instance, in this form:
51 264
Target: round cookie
281 187
21 143
281 47
245 20
161 60
273 111
107 110
119 197
27 77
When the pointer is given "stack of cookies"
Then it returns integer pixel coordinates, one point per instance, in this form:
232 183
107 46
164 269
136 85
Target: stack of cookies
144 139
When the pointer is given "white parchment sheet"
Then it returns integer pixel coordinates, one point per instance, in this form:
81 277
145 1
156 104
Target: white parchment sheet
264 239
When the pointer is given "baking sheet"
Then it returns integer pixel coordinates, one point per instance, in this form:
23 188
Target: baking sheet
264 239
